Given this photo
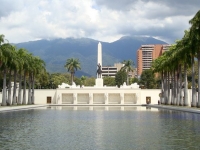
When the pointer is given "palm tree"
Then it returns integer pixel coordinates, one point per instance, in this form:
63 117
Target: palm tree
18 62
2 39
26 66
179 60
15 67
128 67
30 70
187 62
14 64
157 67
3 59
165 69
184 52
193 54
1 42
38 68
166 64
195 39
21 54
72 65
5 50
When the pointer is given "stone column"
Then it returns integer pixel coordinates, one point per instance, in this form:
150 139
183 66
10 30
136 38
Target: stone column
75 98
59 99
106 98
122 98
138 98
90 98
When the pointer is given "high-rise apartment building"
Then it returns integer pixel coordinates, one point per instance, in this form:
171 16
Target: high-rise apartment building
146 54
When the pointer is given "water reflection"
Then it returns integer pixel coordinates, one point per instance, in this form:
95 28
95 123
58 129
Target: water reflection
99 128
104 108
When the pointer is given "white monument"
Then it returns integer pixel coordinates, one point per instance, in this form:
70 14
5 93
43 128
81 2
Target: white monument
99 80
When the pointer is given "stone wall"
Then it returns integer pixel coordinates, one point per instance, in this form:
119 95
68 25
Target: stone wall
95 96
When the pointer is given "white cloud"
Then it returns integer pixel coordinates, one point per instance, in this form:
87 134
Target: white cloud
103 20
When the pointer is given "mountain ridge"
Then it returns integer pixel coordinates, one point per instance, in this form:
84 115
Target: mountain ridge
55 52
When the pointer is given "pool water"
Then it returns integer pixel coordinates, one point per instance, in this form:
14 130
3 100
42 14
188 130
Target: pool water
99 128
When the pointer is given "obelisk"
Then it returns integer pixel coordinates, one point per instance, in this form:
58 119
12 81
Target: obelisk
99 80
99 56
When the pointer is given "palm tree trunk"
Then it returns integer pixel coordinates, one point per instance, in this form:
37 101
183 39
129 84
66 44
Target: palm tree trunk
185 86
172 88
194 100
24 90
175 87
72 77
127 78
29 90
19 102
9 88
33 91
180 87
4 89
198 105
168 94
14 89
162 88
165 87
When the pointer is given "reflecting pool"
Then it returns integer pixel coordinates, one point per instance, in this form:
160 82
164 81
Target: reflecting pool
99 128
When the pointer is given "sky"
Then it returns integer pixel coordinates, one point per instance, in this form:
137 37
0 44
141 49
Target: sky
103 20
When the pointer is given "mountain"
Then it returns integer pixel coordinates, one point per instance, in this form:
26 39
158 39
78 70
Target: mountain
56 52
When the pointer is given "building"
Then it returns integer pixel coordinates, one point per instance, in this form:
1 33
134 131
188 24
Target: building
147 53
111 70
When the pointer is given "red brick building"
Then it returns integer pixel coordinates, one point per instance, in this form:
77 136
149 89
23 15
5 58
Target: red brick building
146 54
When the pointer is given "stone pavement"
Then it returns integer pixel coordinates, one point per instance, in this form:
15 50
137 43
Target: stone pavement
177 108
19 107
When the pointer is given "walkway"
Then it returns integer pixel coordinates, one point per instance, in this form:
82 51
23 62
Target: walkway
19 107
177 108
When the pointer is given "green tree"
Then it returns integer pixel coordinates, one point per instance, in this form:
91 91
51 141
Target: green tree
38 68
83 79
5 57
15 67
109 81
26 68
30 70
120 77
134 80
77 80
90 81
43 81
147 79
128 67
10 66
195 42
21 53
72 65
58 79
